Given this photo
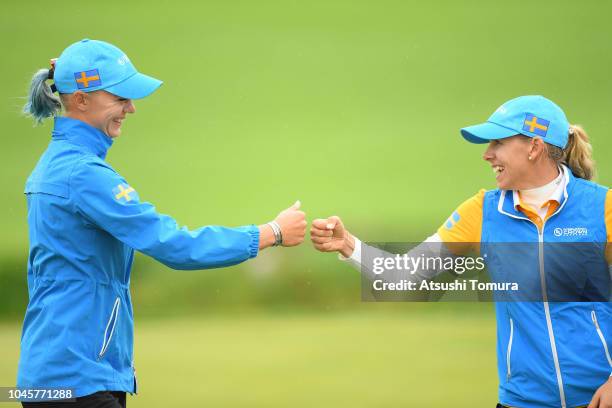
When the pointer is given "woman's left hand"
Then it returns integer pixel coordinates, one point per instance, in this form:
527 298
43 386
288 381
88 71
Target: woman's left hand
603 396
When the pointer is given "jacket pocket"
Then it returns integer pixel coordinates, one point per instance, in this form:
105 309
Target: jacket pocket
509 351
110 328
601 336
35 187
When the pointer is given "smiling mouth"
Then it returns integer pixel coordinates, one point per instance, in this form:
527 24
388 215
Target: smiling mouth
498 170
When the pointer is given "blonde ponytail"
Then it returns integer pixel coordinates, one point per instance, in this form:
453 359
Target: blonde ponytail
578 153
42 103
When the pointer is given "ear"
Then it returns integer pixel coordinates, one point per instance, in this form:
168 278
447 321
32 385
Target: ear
80 101
536 148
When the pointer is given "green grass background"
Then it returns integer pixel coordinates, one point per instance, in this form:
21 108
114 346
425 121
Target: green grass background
353 107
354 359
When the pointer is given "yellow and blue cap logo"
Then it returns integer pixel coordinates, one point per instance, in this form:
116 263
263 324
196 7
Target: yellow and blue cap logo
535 125
531 115
87 79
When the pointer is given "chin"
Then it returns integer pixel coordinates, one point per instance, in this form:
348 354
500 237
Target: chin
503 186
114 134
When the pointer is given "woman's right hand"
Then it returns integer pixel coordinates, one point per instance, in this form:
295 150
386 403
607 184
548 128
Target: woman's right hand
329 235
292 223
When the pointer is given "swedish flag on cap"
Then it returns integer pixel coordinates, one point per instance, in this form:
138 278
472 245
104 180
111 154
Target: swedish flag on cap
87 79
531 115
535 125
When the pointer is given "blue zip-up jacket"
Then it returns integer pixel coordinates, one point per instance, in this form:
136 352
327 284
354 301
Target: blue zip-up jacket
551 353
85 221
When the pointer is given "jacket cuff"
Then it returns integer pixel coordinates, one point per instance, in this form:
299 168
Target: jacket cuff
253 231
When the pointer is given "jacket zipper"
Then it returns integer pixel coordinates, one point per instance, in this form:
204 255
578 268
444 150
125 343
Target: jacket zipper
509 351
112 323
601 337
551 334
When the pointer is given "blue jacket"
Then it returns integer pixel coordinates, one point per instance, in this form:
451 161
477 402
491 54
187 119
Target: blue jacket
551 353
85 221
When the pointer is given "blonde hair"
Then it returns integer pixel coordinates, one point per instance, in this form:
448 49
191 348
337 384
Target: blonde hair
577 154
42 103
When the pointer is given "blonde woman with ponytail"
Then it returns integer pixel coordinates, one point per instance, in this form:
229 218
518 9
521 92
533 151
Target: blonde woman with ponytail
552 350
86 221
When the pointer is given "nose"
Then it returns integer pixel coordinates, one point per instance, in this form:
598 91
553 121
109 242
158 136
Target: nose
129 106
488 153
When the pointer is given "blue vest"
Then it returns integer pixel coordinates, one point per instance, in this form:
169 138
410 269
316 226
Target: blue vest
551 353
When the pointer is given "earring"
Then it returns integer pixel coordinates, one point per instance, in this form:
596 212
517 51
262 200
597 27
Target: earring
529 157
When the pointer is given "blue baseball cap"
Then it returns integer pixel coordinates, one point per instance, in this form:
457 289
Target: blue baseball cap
531 115
91 65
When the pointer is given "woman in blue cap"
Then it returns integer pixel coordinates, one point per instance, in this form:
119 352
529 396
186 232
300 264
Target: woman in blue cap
550 353
85 221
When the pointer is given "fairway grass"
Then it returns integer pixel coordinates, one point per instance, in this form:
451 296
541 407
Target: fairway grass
356 360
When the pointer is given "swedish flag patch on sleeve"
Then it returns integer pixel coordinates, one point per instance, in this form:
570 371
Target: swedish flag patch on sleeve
125 193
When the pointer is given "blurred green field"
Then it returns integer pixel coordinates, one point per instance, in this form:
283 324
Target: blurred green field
359 360
353 107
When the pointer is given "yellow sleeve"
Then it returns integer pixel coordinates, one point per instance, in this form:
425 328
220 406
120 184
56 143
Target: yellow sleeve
464 226
608 220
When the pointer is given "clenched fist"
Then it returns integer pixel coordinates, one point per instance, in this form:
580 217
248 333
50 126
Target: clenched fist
292 224
329 235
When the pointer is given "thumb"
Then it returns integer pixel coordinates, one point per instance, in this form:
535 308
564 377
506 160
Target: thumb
296 206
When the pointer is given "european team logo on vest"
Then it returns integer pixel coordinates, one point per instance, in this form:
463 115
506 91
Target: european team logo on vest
571 232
